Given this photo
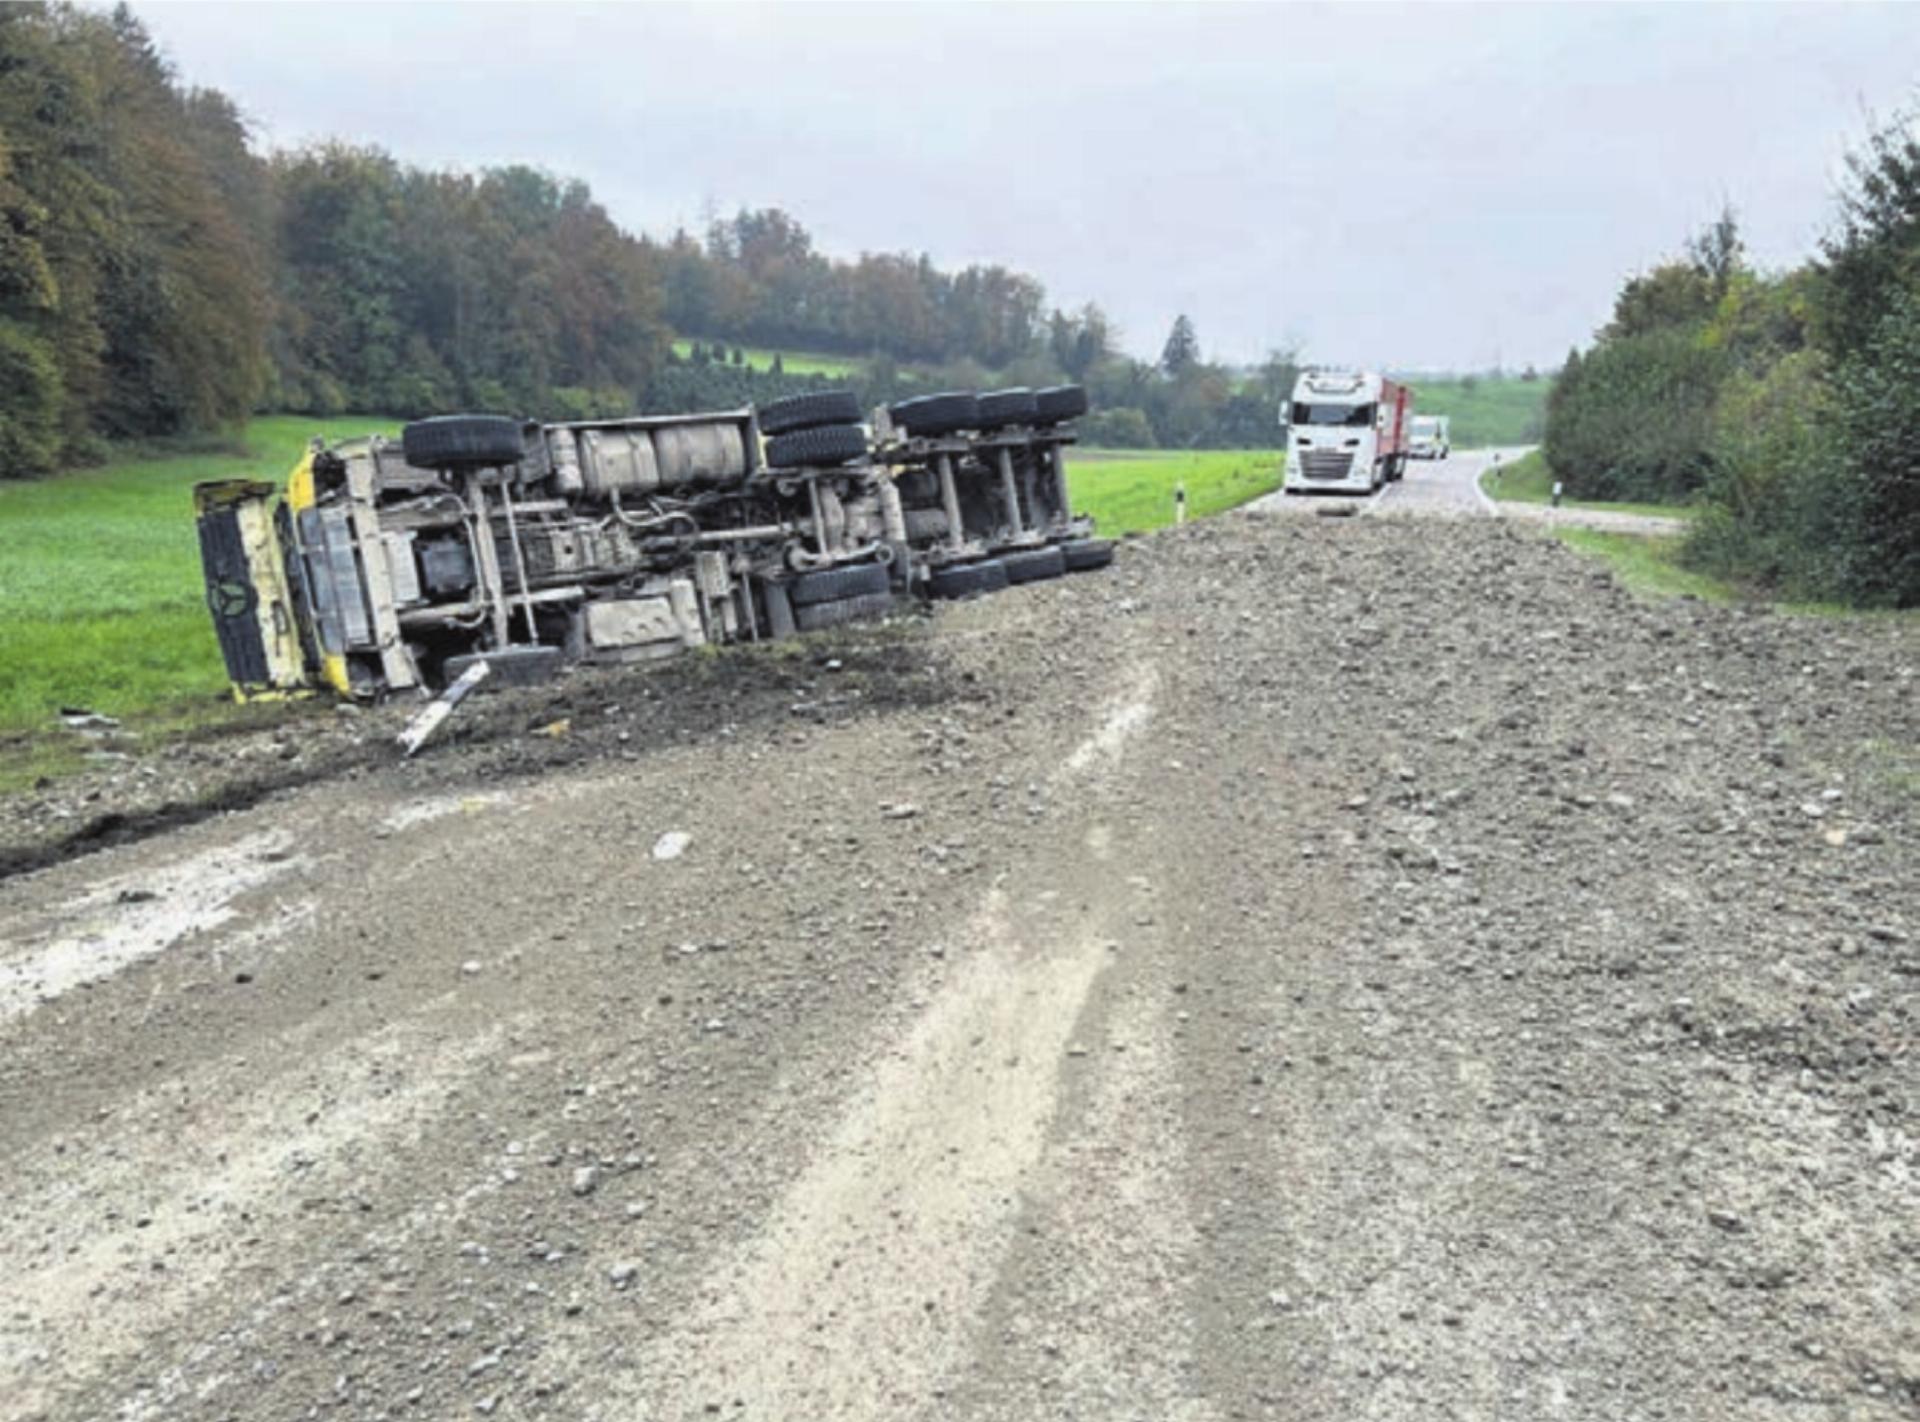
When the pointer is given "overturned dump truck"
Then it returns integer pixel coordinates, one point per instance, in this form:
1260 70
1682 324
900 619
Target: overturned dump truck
394 566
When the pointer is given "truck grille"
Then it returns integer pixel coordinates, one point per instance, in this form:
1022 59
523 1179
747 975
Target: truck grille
1326 465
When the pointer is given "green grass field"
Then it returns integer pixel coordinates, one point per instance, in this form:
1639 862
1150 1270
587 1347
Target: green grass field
1528 480
101 599
1131 491
792 362
1486 411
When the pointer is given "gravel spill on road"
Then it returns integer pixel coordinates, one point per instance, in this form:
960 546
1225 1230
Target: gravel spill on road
1321 968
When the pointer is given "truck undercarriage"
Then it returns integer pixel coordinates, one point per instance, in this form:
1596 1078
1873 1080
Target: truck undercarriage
390 566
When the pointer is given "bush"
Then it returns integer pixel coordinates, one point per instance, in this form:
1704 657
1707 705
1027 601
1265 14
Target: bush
488 396
1124 428
1633 421
1816 484
1875 498
1772 454
29 404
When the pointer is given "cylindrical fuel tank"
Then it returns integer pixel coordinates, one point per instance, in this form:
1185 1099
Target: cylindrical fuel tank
618 462
700 454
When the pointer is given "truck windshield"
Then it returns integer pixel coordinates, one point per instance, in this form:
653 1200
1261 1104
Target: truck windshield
1426 425
1352 416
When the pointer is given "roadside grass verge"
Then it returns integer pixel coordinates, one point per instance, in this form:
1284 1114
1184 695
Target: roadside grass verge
1528 480
1648 565
101 602
1132 491
1651 566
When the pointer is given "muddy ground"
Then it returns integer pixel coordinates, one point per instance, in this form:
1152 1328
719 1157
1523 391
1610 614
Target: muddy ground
1318 969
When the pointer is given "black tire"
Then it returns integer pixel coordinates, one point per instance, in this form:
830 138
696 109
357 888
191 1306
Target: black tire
817 448
1033 565
1008 407
1059 402
463 441
817 615
968 579
837 584
934 415
1084 554
923 524
810 411
780 625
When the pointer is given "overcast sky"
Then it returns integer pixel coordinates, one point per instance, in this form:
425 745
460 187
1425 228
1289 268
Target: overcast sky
1420 187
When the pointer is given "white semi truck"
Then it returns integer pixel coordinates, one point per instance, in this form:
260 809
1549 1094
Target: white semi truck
1347 432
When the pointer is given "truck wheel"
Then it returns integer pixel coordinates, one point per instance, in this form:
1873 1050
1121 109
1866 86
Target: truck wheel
780 625
836 584
810 411
1059 402
841 611
822 447
934 415
923 524
1084 554
1015 406
463 441
968 579
1033 565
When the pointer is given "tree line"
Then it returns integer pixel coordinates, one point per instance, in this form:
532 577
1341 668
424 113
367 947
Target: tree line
1786 404
159 277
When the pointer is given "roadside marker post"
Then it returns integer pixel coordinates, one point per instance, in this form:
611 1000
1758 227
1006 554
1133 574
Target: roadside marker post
1179 504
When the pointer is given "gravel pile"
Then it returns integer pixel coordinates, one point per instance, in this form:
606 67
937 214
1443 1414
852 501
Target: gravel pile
1320 968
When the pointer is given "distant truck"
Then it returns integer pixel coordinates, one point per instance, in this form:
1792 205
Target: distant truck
1347 432
1432 437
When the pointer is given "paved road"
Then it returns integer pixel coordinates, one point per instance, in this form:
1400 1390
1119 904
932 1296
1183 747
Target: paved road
1444 486
1451 488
